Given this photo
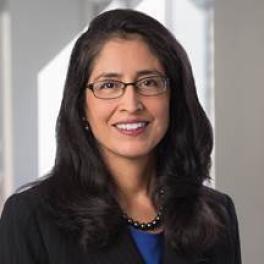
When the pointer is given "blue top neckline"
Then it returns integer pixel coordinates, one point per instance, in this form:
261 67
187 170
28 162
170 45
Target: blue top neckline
150 245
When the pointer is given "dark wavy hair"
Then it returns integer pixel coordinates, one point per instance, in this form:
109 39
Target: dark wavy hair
80 189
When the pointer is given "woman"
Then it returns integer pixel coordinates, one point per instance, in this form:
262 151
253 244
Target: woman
133 152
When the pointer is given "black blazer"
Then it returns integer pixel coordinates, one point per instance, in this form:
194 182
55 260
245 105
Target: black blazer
28 235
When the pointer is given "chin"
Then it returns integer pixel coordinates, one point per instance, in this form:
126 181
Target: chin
129 151
134 153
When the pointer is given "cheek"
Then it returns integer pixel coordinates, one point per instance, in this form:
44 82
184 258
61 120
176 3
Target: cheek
97 113
164 119
162 114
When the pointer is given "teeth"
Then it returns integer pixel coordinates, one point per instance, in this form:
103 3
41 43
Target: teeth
131 126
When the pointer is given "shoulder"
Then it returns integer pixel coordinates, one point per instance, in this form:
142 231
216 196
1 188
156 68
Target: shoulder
222 203
223 206
226 204
229 242
20 227
22 216
23 206
217 197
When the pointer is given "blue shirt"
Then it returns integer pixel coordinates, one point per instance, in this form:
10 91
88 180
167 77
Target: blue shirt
150 245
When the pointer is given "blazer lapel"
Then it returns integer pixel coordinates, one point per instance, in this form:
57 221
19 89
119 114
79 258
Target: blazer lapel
172 257
122 251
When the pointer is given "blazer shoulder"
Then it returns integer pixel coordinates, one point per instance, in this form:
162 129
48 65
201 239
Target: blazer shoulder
230 244
22 205
219 197
20 237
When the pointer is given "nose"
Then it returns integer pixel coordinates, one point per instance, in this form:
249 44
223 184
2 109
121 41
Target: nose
130 100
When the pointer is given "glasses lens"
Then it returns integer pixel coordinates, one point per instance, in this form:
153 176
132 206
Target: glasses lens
152 85
108 89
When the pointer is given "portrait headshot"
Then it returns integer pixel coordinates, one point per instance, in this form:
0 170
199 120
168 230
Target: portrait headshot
133 177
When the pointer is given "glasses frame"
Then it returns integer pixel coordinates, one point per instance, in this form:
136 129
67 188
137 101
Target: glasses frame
164 79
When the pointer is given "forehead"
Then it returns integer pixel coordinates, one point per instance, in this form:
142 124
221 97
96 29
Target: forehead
124 56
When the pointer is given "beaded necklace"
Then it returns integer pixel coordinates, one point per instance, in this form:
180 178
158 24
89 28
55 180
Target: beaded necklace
146 226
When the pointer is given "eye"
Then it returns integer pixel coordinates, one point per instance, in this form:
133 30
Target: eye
150 82
107 85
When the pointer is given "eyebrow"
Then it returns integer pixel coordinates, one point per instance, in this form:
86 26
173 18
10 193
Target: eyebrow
148 72
138 74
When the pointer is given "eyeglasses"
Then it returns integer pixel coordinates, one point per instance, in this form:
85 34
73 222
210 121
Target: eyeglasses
111 89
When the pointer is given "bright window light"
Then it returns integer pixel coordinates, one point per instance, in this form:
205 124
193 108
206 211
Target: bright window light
50 87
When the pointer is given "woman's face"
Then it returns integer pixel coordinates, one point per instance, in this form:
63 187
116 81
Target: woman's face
132 125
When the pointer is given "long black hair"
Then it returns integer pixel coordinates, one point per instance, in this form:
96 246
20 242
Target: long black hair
79 187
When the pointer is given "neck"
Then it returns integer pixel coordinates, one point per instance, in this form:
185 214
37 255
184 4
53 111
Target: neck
133 180
131 176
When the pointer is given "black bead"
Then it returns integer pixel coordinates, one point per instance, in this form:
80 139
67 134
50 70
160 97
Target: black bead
149 226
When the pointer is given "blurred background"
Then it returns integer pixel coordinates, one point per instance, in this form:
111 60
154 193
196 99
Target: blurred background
224 40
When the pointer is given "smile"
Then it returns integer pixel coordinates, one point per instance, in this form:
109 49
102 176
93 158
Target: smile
131 129
131 126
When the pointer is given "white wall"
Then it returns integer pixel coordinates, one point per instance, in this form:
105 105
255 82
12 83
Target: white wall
239 99
6 167
39 30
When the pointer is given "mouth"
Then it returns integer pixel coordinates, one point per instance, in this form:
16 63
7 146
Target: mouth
132 128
